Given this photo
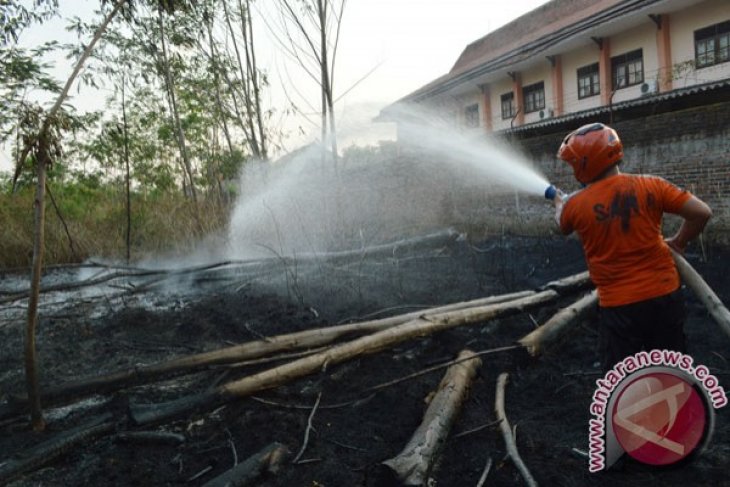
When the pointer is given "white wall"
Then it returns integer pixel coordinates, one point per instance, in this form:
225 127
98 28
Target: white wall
541 72
682 27
571 62
496 90
644 37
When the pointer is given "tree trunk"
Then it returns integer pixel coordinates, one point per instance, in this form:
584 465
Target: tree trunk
216 81
558 324
366 345
254 77
323 74
255 148
170 84
127 175
42 159
414 465
31 359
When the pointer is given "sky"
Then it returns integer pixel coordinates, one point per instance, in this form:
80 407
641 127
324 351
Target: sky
407 43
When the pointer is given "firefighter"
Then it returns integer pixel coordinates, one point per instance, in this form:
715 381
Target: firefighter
618 219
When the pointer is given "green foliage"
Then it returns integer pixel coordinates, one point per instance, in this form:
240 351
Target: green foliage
90 151
16 17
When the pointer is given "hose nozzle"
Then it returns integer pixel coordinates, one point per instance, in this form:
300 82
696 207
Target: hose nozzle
551 192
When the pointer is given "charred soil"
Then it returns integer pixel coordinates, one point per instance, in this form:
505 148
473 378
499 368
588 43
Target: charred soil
353 428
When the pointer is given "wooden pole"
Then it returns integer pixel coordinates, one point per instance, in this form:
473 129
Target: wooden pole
703 292
558 324
414 465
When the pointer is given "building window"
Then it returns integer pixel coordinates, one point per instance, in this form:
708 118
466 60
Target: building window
471 116
712 45
627 69
534 97
508 105
589 84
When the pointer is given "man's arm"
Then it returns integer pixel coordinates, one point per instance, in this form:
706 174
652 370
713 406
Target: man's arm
696 213
559 201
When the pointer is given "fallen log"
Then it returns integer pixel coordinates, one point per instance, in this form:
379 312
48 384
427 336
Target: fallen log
46 452
703 292
507 434
537 340
267 460
57 394
150 437
414 465
369 344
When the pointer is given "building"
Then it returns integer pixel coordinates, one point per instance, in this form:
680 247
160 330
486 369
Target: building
658 70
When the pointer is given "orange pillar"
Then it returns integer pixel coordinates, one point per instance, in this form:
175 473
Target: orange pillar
487 104
557 76
664 52
604 69
519 99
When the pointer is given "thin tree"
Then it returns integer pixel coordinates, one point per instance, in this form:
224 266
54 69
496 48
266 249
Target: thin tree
311 37
44 146
170 88
252 71
250 119
125 133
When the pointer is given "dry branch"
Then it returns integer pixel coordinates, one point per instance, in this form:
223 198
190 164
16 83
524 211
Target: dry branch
506 429
558 324
703 292
52 395
308 430
267 460
450 363
369 344
413 466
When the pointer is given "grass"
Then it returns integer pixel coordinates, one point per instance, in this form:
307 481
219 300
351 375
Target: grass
163 223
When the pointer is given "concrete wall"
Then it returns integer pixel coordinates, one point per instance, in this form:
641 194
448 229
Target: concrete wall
683 25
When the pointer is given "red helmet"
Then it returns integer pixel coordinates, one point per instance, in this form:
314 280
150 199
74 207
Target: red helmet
591 150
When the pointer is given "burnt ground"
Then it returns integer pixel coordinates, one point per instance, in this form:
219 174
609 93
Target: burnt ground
547 398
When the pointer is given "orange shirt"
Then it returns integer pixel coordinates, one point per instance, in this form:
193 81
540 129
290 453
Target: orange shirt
618 220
